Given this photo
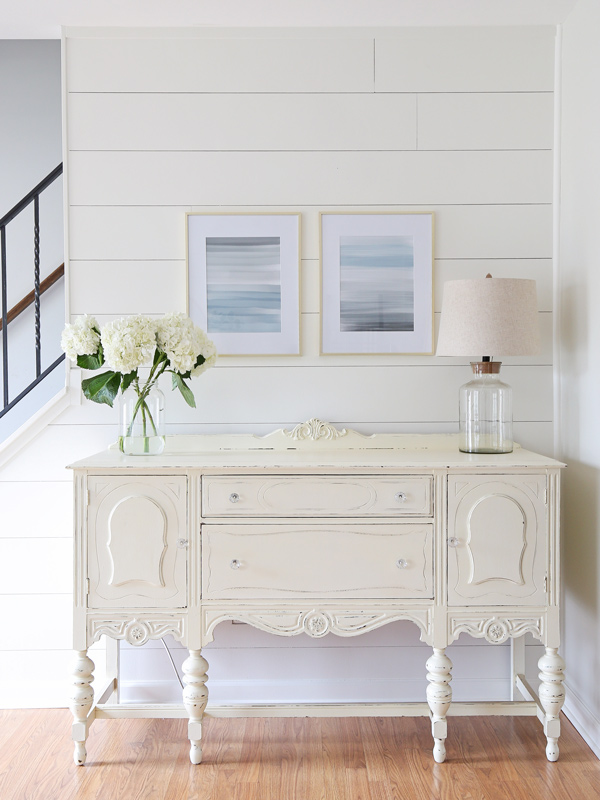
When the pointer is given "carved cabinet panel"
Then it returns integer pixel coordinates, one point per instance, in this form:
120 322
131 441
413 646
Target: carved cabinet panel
136 546
497 540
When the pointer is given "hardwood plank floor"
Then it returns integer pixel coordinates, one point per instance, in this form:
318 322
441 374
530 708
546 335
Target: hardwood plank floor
489 758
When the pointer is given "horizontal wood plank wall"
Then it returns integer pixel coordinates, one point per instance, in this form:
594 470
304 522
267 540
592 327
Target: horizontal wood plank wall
160 122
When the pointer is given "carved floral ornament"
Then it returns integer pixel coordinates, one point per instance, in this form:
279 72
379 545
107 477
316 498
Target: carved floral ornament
313 430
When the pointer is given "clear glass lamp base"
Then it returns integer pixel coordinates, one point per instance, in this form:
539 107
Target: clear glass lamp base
485 412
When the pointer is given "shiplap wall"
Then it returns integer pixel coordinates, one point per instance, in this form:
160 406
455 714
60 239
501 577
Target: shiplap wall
454 121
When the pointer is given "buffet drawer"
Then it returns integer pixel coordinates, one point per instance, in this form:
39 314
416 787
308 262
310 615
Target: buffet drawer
322 496
317 560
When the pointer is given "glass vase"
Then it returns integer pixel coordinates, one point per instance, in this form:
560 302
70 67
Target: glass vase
485 412
142 421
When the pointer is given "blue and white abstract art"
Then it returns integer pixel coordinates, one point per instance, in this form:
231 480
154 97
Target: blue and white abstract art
243 284
377 283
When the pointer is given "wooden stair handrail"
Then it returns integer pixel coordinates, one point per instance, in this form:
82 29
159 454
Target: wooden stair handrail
26 301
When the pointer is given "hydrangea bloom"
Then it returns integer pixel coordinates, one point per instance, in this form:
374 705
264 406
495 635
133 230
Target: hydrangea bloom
80 338
129 343
209 351
183 342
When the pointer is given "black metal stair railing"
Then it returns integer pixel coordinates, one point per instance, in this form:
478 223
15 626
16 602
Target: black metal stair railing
39 287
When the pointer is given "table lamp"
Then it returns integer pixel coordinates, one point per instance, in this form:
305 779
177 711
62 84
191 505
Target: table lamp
497 316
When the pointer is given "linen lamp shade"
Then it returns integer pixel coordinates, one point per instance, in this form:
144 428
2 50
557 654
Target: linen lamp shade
489 316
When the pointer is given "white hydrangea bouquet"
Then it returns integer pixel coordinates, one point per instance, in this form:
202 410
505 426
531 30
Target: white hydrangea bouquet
169 344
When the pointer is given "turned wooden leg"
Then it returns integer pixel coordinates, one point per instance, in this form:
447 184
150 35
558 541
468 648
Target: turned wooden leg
82 698
552 697
195 697
439 697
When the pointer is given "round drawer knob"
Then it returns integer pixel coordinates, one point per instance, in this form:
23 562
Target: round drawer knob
400 497
453 541
402 563
234 497
235 564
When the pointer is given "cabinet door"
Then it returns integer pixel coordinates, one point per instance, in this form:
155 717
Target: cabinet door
134 524
497 540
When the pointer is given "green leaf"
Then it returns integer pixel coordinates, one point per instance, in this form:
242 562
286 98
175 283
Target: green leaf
185 390
128 380
94 361
102 388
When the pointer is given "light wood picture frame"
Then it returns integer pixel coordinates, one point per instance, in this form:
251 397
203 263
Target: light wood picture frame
376 283
243 273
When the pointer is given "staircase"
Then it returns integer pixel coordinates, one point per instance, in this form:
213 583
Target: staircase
29 327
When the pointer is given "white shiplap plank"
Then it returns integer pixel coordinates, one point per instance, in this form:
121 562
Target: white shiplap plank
44 509
46 457
257 64
49 566
477 59
146 287
242 122
117 178
400 393
486 121
113 232
53 615
461 232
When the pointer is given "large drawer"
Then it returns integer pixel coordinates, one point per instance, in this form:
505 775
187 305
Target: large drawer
322 496
317 561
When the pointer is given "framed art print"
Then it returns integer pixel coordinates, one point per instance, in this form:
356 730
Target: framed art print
244 281
377 283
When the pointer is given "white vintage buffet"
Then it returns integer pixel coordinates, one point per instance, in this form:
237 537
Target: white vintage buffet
317 530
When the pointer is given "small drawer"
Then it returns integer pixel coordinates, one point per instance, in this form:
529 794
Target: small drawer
317 561
323 496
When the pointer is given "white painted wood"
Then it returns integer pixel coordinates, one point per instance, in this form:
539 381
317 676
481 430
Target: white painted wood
472 59
38 554
195 697
321 575
439 697
338 398
552 697
497 540
142 233
46 509
134 529
305 497
220 122
461 232
211 64
82 697
486 121
316 561
361 178
147 287
53 615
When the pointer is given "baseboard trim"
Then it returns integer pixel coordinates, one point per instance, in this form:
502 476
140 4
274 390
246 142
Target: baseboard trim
585 721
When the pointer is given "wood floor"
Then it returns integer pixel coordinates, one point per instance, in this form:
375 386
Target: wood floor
489 758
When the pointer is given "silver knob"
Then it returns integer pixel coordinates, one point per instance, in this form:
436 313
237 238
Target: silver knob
400 497
235 564
402 563
182 543
234 497
453 541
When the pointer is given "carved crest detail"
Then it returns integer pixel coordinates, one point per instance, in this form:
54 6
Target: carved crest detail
315 429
